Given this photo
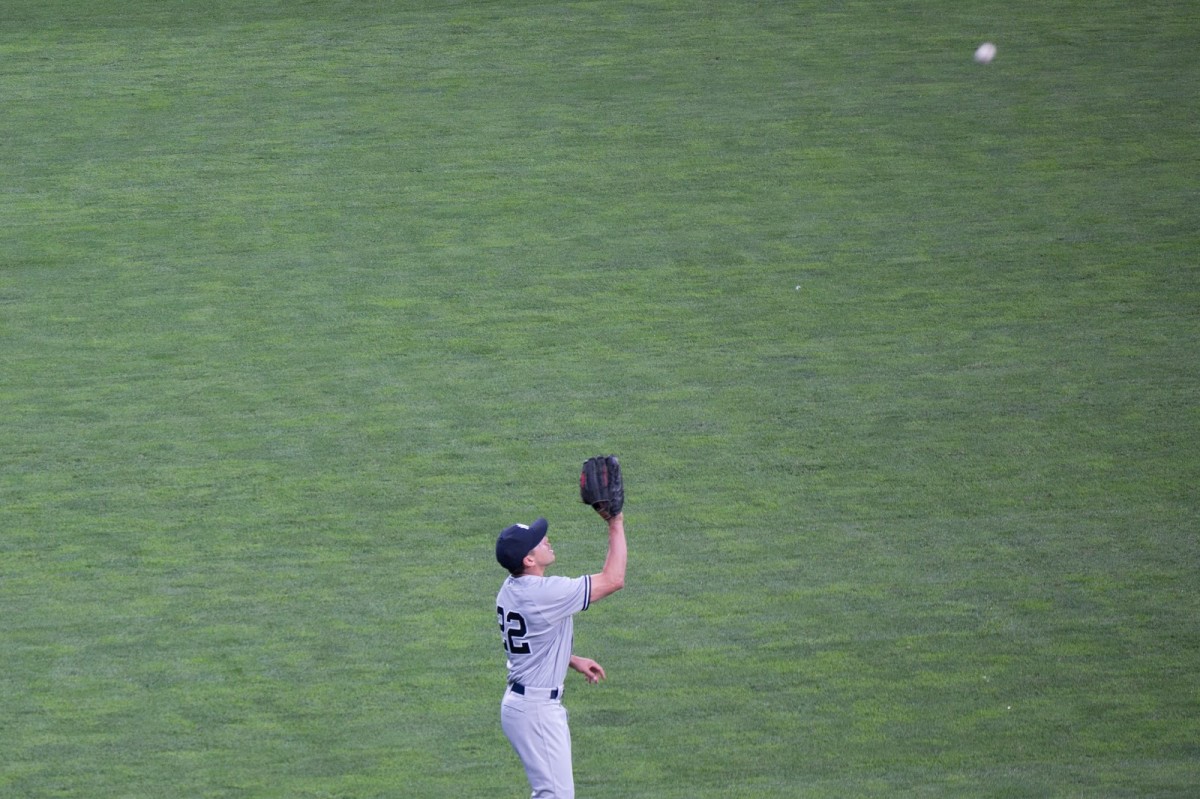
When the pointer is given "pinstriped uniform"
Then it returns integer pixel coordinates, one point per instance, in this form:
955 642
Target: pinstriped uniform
536 616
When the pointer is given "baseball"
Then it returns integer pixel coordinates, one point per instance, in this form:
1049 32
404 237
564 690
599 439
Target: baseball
985 53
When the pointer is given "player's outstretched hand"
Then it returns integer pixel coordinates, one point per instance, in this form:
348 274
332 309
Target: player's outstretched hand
589 668
602 486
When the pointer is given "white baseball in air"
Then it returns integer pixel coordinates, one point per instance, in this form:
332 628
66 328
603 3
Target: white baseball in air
985 53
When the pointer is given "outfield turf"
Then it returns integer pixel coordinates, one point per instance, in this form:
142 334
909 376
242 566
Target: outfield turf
302 302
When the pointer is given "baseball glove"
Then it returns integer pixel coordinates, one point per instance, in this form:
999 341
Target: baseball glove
601 486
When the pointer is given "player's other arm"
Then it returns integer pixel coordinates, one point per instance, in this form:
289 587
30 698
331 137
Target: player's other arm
612 577
589 668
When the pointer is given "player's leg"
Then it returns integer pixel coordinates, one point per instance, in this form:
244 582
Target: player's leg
539 733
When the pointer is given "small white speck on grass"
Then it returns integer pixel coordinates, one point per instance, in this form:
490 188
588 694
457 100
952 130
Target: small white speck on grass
797 288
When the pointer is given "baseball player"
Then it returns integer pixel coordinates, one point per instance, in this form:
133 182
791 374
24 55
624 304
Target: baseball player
536 615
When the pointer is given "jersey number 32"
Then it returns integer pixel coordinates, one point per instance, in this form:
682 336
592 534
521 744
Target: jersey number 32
512 627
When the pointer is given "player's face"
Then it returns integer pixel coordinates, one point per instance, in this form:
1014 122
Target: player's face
543 553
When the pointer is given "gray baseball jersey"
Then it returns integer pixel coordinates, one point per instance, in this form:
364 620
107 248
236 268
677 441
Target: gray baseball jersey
537 625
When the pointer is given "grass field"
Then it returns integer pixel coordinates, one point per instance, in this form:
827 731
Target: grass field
302 302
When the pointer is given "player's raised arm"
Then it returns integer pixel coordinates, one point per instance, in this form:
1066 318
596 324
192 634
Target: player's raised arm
603 488
612 577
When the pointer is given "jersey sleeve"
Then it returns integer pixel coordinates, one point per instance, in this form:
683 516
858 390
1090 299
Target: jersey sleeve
566 596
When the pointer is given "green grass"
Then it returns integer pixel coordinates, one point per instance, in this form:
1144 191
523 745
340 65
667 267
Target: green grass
301 303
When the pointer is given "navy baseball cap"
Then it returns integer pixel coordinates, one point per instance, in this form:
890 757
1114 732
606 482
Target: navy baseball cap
517 541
